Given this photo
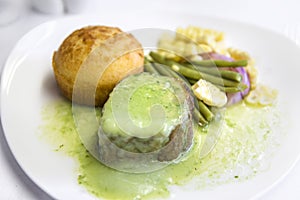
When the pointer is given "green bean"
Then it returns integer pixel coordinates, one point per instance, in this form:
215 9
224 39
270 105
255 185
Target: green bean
196 75
148 58
240 88
230 75
175 74
162 70
192 81
149 68
204 110
199 117
159 58
166 71
220 63
146 61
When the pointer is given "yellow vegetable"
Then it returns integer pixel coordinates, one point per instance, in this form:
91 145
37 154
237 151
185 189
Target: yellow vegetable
262 95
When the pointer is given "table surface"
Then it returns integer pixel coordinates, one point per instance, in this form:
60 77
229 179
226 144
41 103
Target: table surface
279 15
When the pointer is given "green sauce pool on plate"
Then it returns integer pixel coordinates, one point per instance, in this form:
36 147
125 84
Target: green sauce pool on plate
242 151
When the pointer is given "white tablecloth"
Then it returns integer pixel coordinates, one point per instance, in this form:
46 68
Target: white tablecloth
279 15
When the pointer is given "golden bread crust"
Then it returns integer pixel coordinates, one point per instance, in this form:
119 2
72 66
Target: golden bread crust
76 49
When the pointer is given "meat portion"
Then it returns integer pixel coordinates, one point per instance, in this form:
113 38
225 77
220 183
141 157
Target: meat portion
181 140
138 154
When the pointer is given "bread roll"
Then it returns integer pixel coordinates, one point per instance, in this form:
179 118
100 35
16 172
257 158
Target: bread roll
92 60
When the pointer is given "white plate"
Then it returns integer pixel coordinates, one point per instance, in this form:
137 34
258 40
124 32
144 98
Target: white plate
27 85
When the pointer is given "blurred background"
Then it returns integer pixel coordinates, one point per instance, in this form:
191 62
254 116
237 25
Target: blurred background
19 16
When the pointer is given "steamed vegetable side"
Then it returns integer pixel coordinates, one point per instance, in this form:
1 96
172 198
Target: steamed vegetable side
218 76
210 86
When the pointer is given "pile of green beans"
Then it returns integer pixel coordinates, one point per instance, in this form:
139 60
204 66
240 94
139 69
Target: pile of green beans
190 73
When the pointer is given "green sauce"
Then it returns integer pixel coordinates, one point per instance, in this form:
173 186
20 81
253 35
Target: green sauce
148 95
142 111
246 139
138 94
